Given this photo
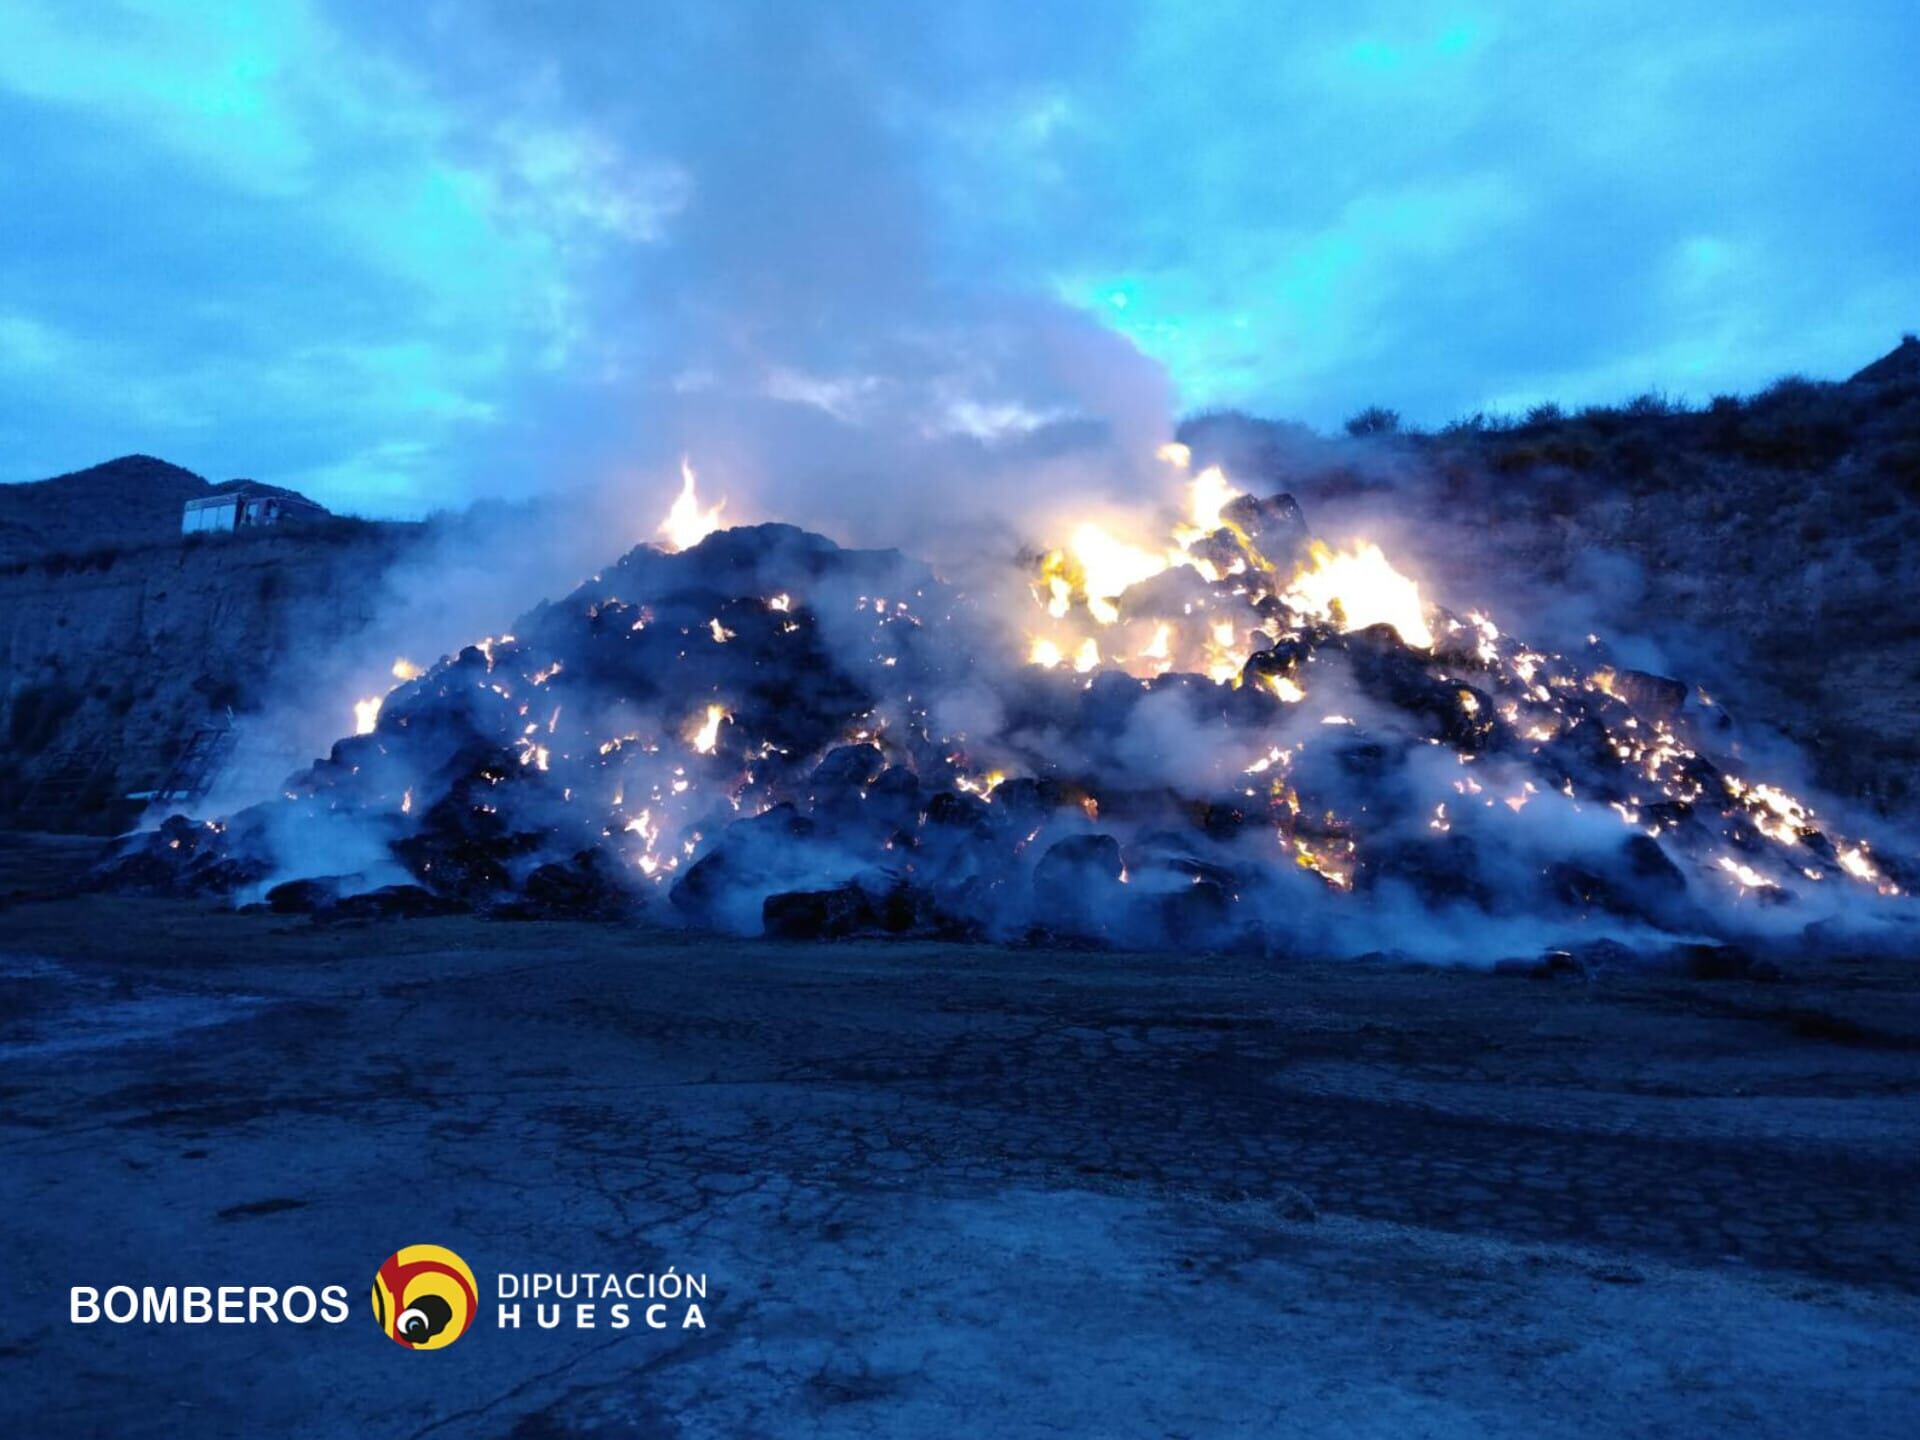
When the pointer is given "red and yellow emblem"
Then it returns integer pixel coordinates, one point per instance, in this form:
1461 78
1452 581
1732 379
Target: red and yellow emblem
424 1297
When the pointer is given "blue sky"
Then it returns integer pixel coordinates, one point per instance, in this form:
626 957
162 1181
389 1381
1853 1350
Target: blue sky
403 256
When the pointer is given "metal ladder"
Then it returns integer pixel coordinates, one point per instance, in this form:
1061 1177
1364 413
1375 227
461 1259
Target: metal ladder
197 766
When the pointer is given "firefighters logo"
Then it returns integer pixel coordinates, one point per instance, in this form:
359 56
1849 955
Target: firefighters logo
424 1297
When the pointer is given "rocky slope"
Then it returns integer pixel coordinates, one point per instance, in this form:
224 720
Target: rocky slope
111 660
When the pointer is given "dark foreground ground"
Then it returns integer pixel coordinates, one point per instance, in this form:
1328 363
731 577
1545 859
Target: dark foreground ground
950 1191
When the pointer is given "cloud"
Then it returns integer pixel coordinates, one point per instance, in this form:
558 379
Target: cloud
1377 204
855 256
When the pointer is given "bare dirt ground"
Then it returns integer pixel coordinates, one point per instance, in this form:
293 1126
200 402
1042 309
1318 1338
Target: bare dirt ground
949 1191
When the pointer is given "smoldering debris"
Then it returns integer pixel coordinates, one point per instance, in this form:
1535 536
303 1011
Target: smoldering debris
1241 739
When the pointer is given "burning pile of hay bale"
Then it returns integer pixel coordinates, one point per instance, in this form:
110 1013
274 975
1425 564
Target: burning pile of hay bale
1281 748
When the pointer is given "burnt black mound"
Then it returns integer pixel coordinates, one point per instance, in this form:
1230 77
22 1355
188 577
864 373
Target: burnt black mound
768 733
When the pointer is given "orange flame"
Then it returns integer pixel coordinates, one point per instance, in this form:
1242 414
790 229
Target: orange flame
687 524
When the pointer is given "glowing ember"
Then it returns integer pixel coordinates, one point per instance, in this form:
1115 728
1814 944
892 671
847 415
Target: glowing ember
1749 878
1224 660
1775 814
1059 596
1207 495
1274 755
1108 568
707 734
1357 588
1285 688
1856 862
687 524
404 670
983 787
1097 567
1331 863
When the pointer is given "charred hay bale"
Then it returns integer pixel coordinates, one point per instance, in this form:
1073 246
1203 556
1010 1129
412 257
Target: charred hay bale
1652 697
762 559
1023 802
306 896
426 756
833 914
838 793
1106 705
1221 549
1163 859
1582 889
140 864
1076 885
1818 844
1670 815
1222 819
893 800
1275 526
948 810
1457 648
188 857
1440 871
851 910
1650 868
848 767
1583 754
1190 916
397 902
1178 590
464 869
1598 957
225 873
1547 965
778 851
769 829
355 752
802 704
1280 661
1461 715
1637 880
464 848
1365 759
966 858
1080 857
588 886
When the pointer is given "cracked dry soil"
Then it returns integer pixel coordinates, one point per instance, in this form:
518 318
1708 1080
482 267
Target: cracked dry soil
947 1190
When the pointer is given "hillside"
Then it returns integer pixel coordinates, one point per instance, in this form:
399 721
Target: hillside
133 500
123 639
124 501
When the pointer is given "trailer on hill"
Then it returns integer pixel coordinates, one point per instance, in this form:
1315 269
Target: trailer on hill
244 505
